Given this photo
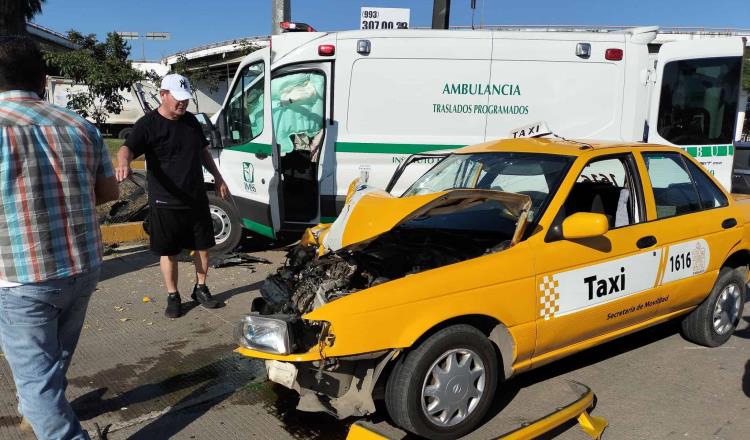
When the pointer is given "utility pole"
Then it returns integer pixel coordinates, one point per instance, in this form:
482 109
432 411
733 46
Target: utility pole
441 12
281 10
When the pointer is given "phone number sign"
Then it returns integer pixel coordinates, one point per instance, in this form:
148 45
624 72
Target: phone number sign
384 18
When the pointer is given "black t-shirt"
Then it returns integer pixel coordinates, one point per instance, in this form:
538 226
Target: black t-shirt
173 150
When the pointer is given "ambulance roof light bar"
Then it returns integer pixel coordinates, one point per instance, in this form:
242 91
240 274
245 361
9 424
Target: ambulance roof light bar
288 26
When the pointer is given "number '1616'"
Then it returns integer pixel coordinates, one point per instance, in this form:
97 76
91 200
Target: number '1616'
680 261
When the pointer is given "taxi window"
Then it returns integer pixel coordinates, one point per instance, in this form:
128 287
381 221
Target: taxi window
606 186
710 194
674 191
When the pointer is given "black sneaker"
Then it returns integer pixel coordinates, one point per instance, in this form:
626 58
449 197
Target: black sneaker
203 296
174 304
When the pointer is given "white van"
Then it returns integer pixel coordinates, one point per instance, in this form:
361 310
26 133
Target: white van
307 115
142 97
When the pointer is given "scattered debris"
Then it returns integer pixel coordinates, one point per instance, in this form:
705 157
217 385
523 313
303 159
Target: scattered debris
120 308
124 319
238 258
147 299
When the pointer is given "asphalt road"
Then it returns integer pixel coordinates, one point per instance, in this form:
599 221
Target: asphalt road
148 377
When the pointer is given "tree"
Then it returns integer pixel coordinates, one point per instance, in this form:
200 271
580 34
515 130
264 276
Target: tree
102 67
15 13
202 72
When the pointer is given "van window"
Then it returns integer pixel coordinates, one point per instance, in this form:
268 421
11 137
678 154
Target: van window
297 106
698 103
244 114
674 192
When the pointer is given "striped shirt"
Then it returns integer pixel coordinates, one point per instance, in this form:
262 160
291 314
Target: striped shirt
49 162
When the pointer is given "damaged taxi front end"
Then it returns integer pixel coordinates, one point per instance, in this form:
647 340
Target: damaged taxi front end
355 297
371 246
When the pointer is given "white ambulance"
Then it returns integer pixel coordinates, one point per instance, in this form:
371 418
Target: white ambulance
315 110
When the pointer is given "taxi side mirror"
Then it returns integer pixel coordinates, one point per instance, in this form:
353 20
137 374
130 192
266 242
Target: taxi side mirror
584 225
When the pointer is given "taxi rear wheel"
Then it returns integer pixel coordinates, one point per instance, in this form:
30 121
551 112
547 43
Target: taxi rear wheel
443 388
713 322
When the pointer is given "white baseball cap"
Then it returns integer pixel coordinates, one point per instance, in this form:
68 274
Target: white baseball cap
178 86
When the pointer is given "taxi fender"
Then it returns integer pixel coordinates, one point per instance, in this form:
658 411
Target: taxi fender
372 331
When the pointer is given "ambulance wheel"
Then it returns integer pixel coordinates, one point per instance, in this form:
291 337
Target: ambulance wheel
443 388
713 322
226 223
124 133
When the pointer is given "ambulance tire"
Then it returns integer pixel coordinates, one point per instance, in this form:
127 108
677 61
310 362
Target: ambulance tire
729 293
404 390
124 133
226 222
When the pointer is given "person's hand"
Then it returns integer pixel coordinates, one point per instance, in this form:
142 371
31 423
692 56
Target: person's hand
223 189
123 171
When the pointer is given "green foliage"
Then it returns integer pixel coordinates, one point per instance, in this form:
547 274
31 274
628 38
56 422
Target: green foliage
103 67
746 70
201 72
15 13
197 73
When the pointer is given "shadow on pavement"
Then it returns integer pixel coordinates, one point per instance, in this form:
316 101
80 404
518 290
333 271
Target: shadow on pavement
224 296
508 390
134 260
183 413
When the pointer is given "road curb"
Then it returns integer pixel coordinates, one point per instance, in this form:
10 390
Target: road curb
123 232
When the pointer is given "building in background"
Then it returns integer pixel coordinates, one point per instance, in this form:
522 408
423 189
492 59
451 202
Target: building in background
217 61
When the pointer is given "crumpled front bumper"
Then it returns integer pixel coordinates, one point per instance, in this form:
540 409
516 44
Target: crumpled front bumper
342 387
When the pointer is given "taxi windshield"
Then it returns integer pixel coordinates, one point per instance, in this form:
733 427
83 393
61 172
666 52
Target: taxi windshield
533 174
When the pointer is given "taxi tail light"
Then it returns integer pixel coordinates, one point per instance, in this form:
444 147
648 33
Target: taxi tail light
326 50
613 54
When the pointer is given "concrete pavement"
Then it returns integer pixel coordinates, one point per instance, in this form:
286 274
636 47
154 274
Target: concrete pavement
149 377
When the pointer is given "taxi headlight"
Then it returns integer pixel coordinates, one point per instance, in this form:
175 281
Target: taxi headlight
264 334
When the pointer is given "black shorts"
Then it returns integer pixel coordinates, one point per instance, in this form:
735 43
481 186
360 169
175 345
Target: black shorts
172 230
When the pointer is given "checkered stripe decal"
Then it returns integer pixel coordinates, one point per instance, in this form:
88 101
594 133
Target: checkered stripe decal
549 297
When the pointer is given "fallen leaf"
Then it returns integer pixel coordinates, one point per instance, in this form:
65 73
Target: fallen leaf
147 299
124 319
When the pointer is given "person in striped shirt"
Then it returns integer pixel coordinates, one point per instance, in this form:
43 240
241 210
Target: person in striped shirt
54 170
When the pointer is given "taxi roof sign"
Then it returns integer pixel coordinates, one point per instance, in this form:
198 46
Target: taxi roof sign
537 129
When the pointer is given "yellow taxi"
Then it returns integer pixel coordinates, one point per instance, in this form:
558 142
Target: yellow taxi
503 257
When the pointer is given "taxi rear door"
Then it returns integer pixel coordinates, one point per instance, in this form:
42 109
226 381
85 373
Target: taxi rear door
693 218
593 286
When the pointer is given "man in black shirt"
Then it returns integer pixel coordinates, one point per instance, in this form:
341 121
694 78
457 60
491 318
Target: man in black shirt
175 149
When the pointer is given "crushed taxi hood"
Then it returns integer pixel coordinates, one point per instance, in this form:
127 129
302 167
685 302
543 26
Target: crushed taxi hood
371 212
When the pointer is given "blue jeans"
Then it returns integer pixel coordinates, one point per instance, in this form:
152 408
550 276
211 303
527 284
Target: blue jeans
39 329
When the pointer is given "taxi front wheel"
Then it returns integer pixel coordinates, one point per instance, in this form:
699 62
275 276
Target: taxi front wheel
713 322
443 388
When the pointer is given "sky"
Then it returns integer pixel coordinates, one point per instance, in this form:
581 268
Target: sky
194 23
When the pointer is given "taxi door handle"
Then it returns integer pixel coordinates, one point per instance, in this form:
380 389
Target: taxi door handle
646 241
729 223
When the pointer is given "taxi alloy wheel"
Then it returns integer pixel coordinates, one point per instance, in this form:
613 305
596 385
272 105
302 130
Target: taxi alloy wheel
727 310
443 387
453 387
713 321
